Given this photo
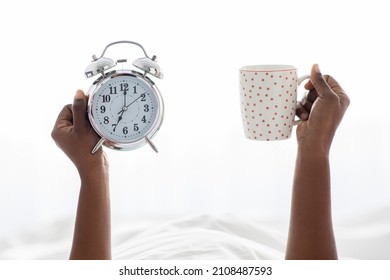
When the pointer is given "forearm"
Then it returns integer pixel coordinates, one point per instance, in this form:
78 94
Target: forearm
311 231
92 234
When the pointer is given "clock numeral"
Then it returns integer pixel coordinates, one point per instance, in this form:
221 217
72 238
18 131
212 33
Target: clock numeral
143 119
125 130
106 98
134 89
143 97
136 128
106 120
102 109
113 90
146 108
125 87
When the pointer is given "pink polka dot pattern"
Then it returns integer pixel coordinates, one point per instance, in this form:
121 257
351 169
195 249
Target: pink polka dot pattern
268 103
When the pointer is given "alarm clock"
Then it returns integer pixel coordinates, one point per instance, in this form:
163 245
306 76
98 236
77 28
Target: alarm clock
125 107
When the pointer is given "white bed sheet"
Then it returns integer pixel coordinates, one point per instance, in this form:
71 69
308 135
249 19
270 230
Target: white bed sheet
195 237
201 237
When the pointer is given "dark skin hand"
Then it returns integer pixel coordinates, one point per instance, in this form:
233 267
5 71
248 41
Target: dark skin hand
74 135
311 230
321 111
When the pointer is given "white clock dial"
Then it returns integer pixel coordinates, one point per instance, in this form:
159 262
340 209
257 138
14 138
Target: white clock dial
125 108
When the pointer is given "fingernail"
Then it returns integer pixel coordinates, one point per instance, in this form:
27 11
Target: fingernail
316 68
79 94
304 116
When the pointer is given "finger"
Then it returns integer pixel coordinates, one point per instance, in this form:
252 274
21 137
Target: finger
306 104
333 84
65 117
309 85
312 95
345 100
301 112
319 82
338 90
308 100
80 121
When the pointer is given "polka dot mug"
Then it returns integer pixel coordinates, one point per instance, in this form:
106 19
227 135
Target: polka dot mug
268 96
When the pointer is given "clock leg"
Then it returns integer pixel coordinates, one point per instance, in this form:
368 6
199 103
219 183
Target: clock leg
151 144
97 146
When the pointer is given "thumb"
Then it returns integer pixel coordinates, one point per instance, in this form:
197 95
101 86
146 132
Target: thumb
79 112
319 83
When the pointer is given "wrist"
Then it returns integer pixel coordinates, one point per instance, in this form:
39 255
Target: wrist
313 150
315 142
94 167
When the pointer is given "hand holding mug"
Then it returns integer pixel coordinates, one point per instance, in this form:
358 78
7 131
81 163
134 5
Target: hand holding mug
321 111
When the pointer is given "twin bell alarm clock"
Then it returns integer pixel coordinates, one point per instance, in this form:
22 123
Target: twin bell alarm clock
125 107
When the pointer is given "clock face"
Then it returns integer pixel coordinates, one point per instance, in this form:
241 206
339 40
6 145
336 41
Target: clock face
125 108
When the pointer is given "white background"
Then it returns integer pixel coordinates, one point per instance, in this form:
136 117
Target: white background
205 164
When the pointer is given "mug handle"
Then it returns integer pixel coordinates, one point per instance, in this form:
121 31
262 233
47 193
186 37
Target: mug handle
300 80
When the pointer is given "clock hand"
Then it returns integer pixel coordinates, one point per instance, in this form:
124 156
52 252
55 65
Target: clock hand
119 119
126 107
124 97
142 95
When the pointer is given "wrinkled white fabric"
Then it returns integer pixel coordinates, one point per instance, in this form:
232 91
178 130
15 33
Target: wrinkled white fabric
203 237
197 237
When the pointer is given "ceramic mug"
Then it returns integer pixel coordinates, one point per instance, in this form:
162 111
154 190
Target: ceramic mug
268 96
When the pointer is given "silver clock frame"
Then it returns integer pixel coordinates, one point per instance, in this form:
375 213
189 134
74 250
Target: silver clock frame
146 137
